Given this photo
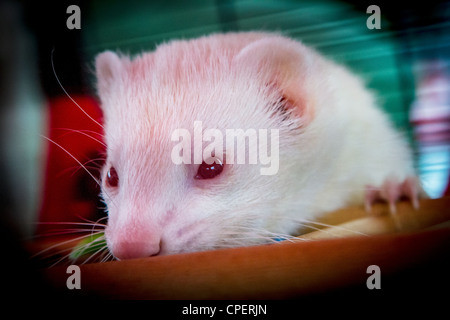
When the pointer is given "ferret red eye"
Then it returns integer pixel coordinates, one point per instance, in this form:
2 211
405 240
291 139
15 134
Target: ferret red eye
112 178
209 171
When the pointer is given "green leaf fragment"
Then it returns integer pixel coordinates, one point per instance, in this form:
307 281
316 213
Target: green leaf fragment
89 245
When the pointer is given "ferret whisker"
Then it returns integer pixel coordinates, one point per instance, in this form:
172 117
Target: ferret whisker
95 256
73 157
62 232
102 256
97 223
256 233
94 162
77 168
75 260
86 246
94 167
111 257
100 250
78 227
302 223
67 231
74 240
98 182
95 241
54 254
63 258
242 241
67 94
70 170
107 256
307 224
334 227
83 132
264 231
90 223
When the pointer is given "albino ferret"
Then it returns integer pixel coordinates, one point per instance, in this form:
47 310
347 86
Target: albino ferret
335 147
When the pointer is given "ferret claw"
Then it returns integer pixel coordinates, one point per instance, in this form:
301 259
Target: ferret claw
391 192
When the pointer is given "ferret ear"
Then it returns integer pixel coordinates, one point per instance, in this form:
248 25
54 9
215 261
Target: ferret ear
284 65
108 67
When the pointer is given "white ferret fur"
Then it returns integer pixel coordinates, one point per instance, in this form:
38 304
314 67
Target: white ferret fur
333 142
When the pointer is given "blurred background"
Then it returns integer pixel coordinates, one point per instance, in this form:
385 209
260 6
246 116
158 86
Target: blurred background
406 62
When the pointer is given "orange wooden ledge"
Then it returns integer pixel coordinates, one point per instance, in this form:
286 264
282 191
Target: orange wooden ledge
283 270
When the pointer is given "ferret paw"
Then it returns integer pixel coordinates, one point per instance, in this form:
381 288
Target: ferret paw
392 191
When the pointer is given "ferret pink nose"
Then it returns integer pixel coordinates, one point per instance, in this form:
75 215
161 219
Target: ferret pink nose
130 250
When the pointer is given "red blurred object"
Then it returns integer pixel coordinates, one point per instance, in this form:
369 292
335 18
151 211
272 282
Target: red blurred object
70 193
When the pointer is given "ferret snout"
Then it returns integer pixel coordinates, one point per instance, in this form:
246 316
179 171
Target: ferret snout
131 244
132 249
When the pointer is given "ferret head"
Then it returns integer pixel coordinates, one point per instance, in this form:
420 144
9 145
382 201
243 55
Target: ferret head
235 81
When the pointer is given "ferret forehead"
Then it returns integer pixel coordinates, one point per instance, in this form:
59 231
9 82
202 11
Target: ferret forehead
221 104
183 60
136 145
177 94
186 81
